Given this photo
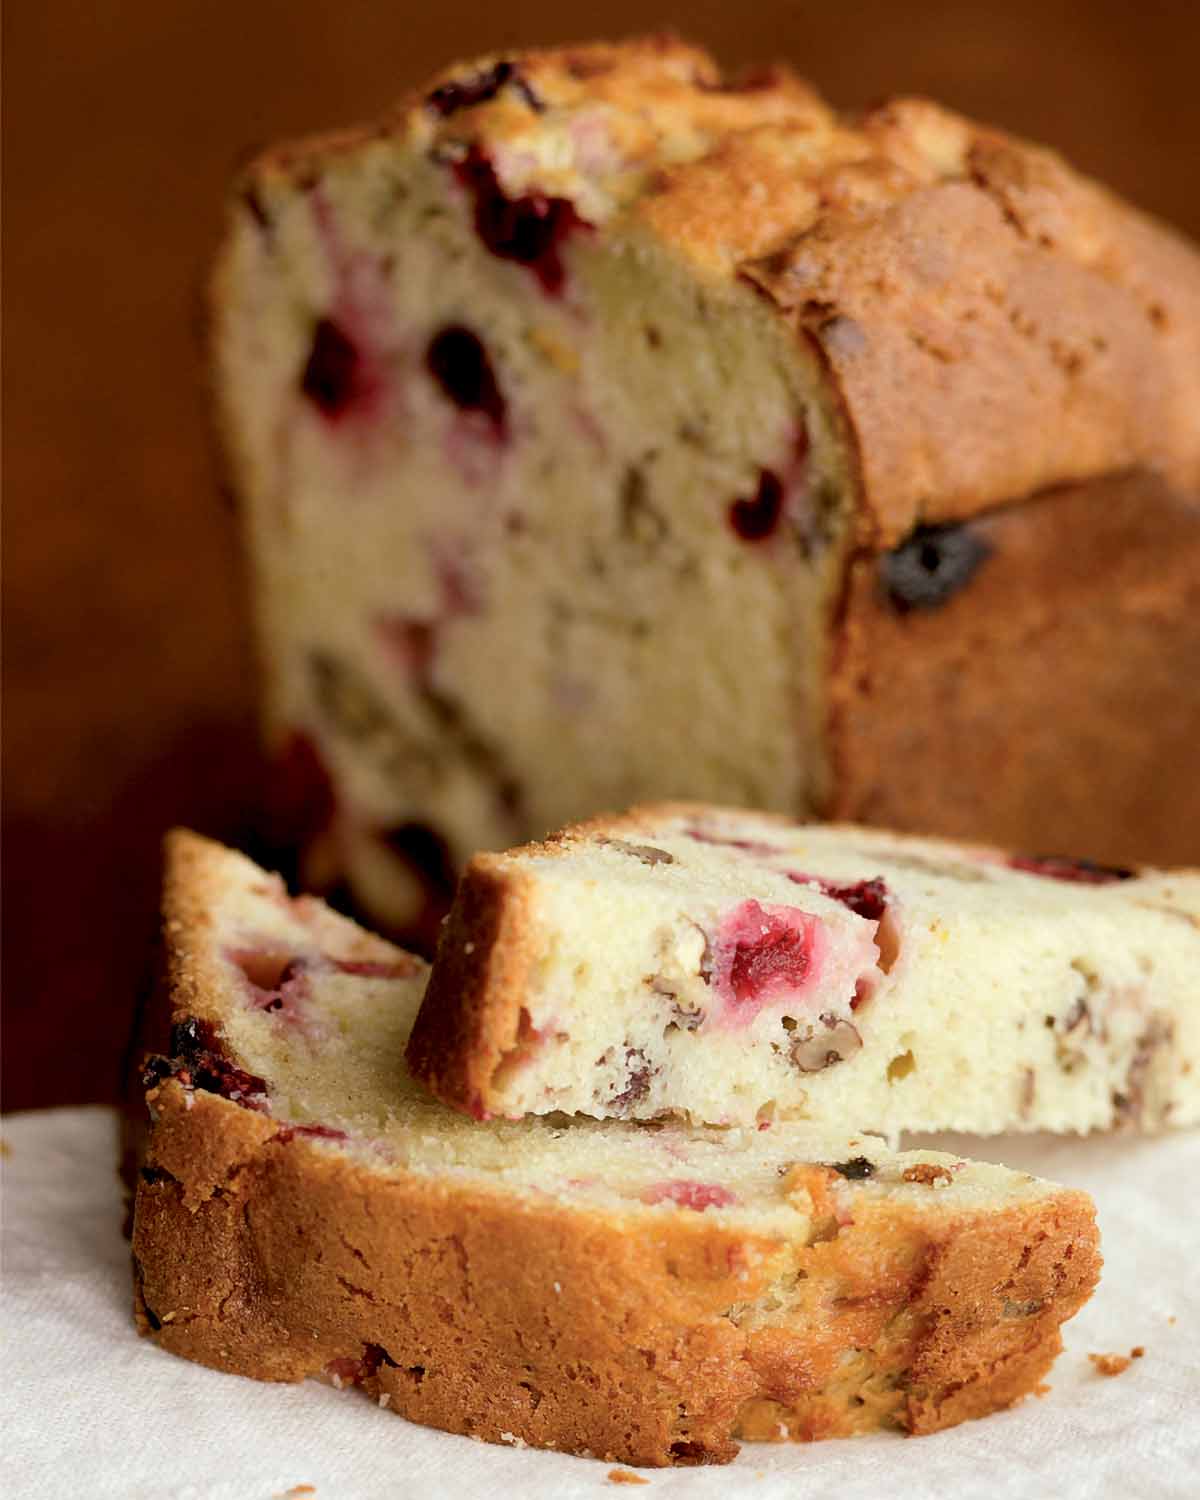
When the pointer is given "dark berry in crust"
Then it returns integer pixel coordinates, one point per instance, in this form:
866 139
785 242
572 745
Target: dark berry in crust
459 363
529 230
934 563
1062 867
334 377
855 1169
198 1060
465 93
756 518
867 898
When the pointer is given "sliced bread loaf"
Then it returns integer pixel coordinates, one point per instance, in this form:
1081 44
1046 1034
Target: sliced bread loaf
739 968
641 1293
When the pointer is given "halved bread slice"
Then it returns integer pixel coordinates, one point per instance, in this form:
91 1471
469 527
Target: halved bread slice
738 968
639 1293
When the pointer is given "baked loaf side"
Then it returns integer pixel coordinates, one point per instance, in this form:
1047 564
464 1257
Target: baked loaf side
642 1294
738 968
1031 676
560 402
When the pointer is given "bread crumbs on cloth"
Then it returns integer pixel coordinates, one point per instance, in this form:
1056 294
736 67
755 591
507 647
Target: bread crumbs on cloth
296 1490
1116 1364
625 1476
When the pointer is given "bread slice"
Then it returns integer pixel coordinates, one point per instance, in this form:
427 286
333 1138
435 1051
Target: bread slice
592 404
738 968
640 1293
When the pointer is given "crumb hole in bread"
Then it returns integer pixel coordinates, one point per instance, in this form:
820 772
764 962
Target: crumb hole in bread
900 1067
887 940
535 1396
689 1453
263 967
529 1041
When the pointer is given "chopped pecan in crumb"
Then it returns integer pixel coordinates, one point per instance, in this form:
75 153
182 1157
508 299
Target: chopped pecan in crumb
646 853
928 1173
816 1050
1130 1102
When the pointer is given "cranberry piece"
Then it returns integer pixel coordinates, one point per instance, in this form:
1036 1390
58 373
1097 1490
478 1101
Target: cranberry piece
747 846
318 1132
449 98
697 1195
335 378
410 642
1062 867
198 1060
934 563
869 898
781 954
763 952
756 519
459 363
373 968
529 230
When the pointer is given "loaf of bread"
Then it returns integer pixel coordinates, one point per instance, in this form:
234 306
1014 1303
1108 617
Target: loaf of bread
640 1293
735 967
608 430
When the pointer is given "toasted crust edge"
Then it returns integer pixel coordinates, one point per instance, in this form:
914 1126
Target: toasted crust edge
1095 362
282 1258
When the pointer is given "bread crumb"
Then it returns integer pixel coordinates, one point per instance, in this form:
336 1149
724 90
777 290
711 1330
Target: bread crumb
625 1476
297 1489
1171 1320
928 1173
1137 1351
513 1440
1110 1364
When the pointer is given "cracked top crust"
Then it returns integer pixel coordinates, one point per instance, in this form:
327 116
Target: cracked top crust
993 322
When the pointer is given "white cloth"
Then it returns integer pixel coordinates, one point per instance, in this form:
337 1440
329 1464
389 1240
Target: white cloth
88 1409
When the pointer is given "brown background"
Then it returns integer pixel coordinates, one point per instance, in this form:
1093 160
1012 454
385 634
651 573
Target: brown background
127 677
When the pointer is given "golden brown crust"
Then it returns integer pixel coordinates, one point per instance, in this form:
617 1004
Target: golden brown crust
1082 728
525 1319
994 323
470 1019
196 878
990 322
